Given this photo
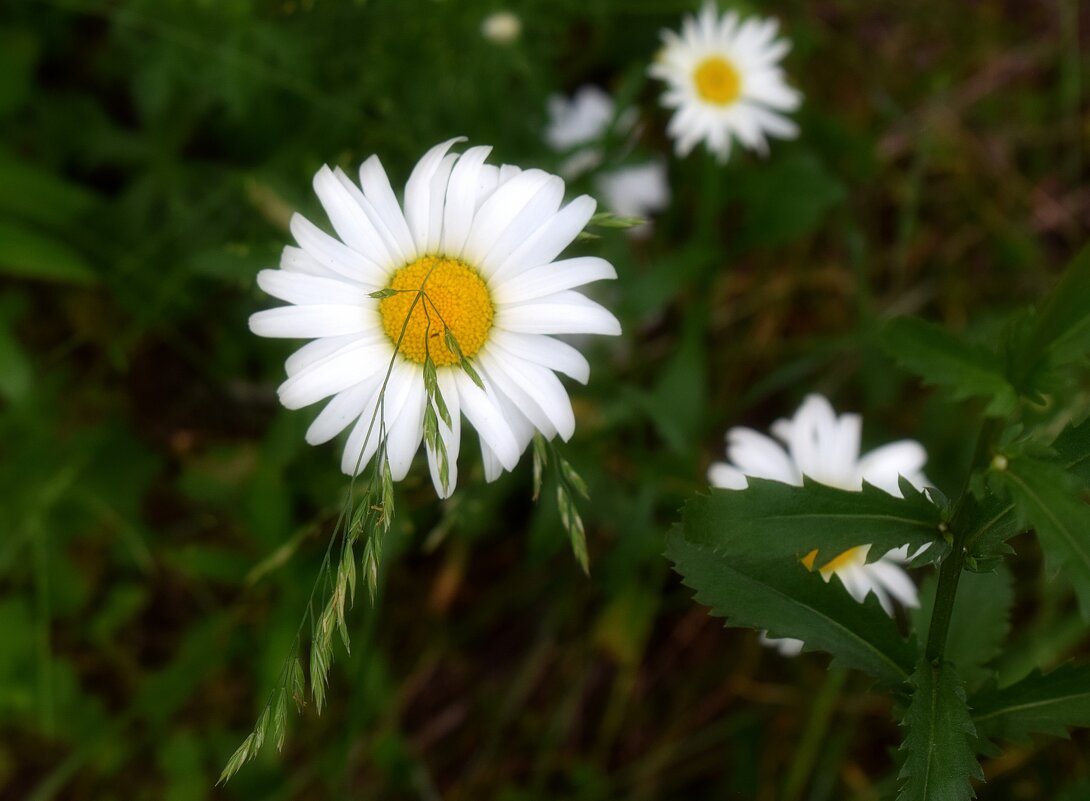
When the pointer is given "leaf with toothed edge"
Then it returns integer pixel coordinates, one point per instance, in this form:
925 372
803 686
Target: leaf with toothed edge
942 358
1041 703
780 595
773 520
1047 495
939 759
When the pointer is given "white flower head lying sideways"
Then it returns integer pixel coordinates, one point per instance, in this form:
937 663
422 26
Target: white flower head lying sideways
474 252
723 78
577 127
818 444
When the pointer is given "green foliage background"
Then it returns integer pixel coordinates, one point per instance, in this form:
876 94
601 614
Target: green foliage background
165 519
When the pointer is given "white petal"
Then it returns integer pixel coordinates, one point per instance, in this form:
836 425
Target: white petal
326 347
550 278
759 456
349 219
336 372
508 386
407 428
726 476
297 260
461 199
418 193
342 409
309 322
300 288
334 254
562 313
546 243
483 414
896 581
363 441
547 352
377 189
492 467
513 212
882 466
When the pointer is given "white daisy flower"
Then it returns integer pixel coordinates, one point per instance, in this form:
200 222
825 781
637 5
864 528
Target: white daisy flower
501 27
483 243
637 191
723 77
822 446
577 126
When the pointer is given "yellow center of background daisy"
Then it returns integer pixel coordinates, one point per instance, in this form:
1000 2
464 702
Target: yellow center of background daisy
717 81
454 297
843 560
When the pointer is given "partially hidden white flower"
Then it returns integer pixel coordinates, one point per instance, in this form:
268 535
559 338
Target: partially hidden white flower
723 78
483 243
501 27
577 126
825 447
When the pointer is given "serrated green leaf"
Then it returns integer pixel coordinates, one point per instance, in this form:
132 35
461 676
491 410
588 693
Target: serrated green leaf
979 622
781 596
1047 495
1063 324
943 359
939 758
1073 448
1040 703
989 523
770 520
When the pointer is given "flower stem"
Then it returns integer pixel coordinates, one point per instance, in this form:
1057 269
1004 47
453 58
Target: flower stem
952 566
949 575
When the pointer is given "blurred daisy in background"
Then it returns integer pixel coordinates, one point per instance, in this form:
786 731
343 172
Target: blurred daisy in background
578 127
723 78
474 252
820 445
501 27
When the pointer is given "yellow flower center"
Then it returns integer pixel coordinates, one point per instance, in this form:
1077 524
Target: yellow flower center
850 556
454 297
717 81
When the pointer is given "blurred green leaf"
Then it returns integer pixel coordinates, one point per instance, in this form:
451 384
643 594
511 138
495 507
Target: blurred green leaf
783 199
781 596
1040 703
26 253
15 369
1063 324
939 759
1073 447
18 56
38 196
979 623
1047 496
944 359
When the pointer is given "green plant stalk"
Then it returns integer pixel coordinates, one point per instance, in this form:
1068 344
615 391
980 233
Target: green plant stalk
949 576
952 566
